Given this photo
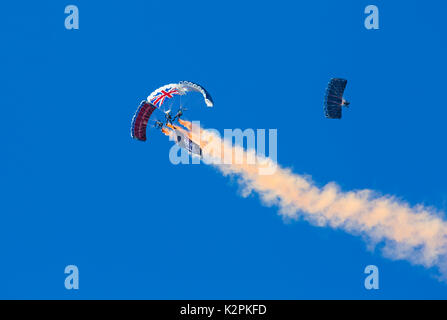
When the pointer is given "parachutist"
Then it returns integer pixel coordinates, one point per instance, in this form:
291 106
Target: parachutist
168 117
158 124
179 113
346 103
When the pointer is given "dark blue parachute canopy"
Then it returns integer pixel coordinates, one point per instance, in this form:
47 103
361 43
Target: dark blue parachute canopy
333 100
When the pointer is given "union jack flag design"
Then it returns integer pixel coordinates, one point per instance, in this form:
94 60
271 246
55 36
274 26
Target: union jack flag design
160 97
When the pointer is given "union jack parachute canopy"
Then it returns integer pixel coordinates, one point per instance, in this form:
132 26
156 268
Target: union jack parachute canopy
158 97
191 86
165 95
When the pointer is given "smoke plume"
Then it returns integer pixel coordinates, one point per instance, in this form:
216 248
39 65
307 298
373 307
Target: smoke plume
417 234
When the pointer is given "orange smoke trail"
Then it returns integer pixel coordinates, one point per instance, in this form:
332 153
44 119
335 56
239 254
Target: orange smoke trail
417 234
186 132
167 132
171 126
186 124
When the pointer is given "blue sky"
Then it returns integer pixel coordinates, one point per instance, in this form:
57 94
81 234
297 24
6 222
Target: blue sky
75 189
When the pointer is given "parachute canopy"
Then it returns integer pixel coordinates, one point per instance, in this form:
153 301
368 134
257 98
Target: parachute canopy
187 85
333 100
140 120
172 93
168 91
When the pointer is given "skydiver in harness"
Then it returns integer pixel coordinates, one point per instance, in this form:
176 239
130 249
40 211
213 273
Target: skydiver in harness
179 113
168 117
345 103
158 124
